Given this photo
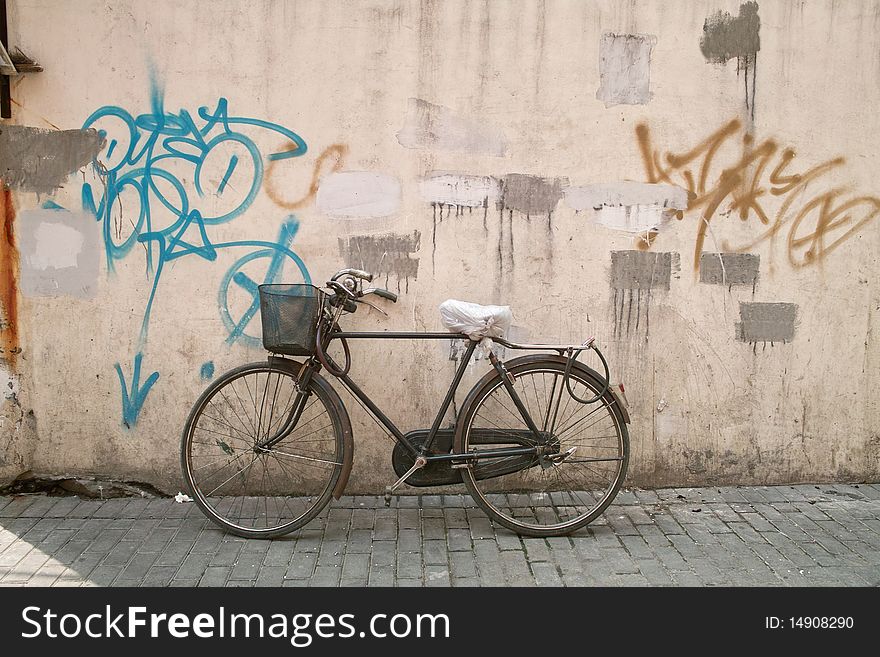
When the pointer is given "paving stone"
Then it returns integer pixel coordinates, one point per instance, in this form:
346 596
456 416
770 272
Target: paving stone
434 528
436 575
159 576
384 554
516 568
328 576
409 565
456 518
435 552
637 547
622 525
463 565
381 576
302 566
215 576
536 549
356 566
458 539
545 574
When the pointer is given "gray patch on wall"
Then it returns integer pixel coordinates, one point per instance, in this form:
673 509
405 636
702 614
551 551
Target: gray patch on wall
766 322
37 160
437 127
726 36
60 254
635 275
383 255
641 270
625 68
731 269
531 195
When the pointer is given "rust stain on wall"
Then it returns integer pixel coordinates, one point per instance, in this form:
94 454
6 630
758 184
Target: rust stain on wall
8 279
330 160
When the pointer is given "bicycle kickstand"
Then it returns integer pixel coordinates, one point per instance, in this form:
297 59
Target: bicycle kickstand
420 463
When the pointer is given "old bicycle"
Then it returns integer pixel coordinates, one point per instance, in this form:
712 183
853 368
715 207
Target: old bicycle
540 442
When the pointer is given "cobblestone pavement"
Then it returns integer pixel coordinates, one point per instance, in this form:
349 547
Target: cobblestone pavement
805 535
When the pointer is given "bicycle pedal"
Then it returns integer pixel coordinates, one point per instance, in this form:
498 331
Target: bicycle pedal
388 496
460 466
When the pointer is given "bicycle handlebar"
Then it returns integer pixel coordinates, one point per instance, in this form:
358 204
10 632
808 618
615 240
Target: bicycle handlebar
357 273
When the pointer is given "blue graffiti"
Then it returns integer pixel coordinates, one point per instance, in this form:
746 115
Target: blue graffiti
207 371
133 401
174 176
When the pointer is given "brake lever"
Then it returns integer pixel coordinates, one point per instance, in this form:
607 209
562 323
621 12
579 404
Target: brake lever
372 305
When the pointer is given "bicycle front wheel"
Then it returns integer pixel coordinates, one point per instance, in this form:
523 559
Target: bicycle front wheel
245 484
585 448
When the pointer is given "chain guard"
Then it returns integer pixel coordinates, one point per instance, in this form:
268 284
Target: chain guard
442 473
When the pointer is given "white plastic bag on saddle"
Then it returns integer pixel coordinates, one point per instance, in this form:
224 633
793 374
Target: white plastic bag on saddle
479 323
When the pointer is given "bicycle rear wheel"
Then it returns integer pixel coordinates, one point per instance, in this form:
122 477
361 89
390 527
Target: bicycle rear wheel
586 448
247 487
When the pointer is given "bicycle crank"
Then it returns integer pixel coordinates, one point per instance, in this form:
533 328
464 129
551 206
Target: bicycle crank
420 463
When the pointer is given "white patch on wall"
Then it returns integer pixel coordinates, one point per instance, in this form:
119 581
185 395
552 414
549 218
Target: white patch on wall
629 206
8 383
59 253
57 246
625 68
358 194
437 127
460 190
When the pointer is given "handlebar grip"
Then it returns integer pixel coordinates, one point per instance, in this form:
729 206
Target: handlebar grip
360 273
385 294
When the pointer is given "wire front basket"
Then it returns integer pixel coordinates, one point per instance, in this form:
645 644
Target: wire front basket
290 315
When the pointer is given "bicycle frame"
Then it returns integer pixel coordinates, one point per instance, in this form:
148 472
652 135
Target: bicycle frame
313 366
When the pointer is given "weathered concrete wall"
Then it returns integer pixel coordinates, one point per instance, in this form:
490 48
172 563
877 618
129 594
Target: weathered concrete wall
695 183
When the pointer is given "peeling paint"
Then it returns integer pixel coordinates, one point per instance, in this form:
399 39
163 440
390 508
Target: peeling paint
531 195
388 255
766 322
730 269
38 160
625 68
437 127
358 194
60 254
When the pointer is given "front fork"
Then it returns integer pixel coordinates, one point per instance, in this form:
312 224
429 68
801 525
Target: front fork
296 410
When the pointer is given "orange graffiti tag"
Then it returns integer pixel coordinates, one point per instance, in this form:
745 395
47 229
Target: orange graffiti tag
816 225
330 160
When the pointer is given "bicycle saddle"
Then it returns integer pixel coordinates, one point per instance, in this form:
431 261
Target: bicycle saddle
474 320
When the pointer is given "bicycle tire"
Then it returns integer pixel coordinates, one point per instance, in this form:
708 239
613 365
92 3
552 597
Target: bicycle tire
296 476
536 498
